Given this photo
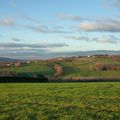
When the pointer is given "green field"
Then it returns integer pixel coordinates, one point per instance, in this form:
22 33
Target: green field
60 101
82 67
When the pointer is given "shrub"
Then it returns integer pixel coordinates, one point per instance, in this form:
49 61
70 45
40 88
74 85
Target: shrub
7 74
100 66
103 67
116 58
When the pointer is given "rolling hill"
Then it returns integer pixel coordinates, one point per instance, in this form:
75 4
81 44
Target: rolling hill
4 59
72 68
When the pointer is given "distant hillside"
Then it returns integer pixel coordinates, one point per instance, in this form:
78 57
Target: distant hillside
3 59
85 53
76 53
70 68
48 55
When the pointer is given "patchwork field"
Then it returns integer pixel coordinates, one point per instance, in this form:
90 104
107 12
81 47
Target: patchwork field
60 101
81 67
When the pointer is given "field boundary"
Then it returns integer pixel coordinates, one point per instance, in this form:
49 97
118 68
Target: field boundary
22 80
44 80
86 80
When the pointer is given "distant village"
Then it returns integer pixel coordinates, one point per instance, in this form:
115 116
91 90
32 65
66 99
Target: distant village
15 63
114 57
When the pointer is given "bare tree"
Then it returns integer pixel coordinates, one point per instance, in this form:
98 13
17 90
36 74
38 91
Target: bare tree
58 70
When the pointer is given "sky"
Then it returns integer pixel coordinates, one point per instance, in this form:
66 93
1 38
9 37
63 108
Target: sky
32 29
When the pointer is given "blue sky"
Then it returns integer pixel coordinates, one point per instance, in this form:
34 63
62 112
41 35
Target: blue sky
34 27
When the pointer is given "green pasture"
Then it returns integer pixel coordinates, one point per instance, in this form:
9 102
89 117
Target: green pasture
60 101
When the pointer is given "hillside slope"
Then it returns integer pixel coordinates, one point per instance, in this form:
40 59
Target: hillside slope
79 67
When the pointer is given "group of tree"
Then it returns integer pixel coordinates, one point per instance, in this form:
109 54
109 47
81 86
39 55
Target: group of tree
104 67
12 77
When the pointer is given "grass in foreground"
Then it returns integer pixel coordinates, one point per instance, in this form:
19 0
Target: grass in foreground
60 101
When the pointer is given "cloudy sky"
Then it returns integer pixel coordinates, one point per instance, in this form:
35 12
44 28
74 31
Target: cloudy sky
39 28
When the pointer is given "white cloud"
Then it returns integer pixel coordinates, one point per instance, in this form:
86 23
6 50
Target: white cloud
70 17
46 29
100 26
24 51
31 46
106 39
7 22
100 39
84 38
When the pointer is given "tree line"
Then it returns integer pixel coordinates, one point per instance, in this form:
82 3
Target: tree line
10 77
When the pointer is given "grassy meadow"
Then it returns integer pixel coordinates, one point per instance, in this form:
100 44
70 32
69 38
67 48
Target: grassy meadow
60 101
85 67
